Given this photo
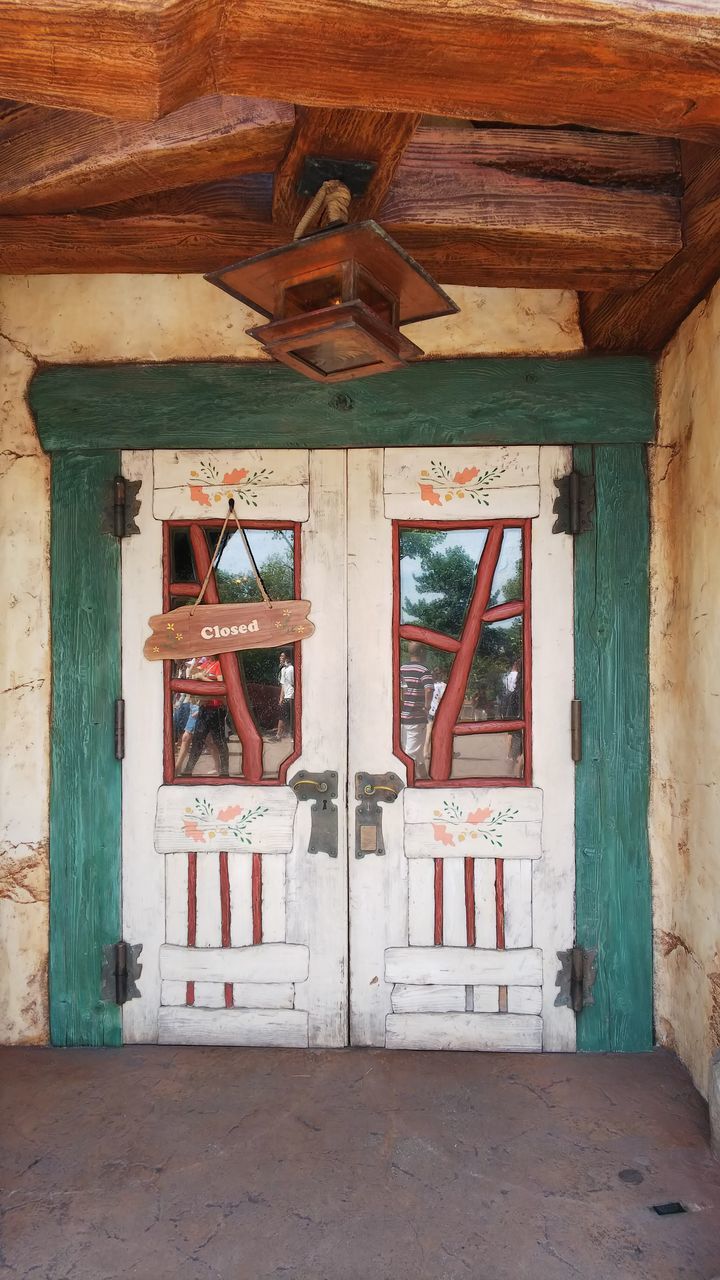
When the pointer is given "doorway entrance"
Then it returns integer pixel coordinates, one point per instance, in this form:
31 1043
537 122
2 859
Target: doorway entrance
366 836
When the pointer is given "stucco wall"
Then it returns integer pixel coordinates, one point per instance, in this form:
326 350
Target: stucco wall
685 692
98 318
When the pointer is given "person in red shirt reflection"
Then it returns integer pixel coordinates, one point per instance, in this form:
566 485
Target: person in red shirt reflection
211 721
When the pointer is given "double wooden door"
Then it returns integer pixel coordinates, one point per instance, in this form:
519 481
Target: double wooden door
386 857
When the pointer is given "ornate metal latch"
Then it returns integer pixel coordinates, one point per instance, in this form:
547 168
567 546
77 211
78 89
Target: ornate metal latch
371 789
321 788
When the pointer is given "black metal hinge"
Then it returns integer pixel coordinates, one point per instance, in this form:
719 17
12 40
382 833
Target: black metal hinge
576 977
119 519
119 728
574 504
120 972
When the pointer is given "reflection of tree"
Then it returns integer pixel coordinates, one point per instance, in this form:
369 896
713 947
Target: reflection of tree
261 666
444 584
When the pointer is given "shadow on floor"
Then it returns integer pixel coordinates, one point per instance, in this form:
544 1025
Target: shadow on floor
187 1164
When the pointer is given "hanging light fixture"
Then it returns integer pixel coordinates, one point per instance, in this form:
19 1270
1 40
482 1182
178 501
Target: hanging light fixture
336 298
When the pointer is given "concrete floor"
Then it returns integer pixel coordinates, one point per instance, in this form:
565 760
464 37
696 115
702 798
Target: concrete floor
182 1164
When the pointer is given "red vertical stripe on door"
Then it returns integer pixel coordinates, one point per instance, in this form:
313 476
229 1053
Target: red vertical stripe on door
499 905
257 898
438 935
470 901
225 918
192 917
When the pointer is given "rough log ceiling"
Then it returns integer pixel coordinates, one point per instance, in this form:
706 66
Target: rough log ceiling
566 144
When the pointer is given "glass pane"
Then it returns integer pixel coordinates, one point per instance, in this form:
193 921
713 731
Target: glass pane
488 755
437 575
182 568
508 581
495 685
421 668
309 295
347 348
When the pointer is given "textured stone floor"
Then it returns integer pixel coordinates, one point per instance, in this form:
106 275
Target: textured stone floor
167 1164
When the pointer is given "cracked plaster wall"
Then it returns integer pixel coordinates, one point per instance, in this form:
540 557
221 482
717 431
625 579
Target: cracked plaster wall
66 319
685 692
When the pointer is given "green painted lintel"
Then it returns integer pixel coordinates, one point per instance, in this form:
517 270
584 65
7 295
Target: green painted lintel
85 796
514 400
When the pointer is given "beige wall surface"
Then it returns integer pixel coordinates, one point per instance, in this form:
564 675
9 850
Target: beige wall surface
685 692
67 319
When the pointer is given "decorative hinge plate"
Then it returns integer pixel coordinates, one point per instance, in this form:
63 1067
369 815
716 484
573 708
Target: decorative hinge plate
574 504
119 519
121 971
576 977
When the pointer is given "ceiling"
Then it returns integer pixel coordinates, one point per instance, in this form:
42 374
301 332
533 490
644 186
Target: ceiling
573 144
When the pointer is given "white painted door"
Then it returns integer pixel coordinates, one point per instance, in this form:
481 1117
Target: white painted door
457 586
434 579
244 931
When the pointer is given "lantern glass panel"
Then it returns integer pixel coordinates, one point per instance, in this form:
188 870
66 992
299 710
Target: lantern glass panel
379 300
312 294
346 349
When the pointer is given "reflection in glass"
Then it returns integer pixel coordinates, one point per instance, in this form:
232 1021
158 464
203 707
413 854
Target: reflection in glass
494 688
205 732
508 578
437 576
488 755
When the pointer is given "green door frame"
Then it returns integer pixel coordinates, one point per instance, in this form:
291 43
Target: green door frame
604 407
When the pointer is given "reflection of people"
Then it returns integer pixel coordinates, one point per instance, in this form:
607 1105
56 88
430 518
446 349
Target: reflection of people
512 710
416 693
286 702
439 687
211 720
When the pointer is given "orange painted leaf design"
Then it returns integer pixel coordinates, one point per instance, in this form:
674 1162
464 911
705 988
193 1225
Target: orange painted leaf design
479 815
466 475
428 494
198 494
441 833
234 477
231 811
193 831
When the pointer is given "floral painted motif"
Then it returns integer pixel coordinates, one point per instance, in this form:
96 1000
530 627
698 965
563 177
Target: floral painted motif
202 822
208 486
479 824
441 484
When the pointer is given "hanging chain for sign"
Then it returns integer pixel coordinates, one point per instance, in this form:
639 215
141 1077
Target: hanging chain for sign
203 630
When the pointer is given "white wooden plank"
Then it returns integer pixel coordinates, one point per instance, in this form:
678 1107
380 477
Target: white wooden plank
488 822
143 880
267 962
431 999
273 899
454 919
173 991
209 995
485 916
208 901
421 903
420 965
378 886
316 885
464 484
252 1027
517 884
176 900
524 999
486 999
554 772
489 1031
235 818
240 877
265 484
263 995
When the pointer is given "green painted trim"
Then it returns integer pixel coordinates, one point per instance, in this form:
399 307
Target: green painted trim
484 401
613 895
85 796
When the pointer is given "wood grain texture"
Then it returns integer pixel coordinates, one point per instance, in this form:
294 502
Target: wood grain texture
378 136
483 401
281 1028
85 836
507 1032
613 898
646 318
419 966
648 67
54 161
267 962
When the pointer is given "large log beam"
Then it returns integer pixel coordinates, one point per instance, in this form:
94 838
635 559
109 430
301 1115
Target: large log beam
644 320
650 66
58 161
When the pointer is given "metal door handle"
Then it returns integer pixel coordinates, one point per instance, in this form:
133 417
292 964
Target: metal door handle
373 789
321 788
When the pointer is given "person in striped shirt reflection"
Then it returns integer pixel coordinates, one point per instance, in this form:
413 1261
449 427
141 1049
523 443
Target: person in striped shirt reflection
416 692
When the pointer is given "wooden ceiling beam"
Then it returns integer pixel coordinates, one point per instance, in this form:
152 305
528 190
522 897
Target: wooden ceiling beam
644 320
377 136
59 161
649 66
